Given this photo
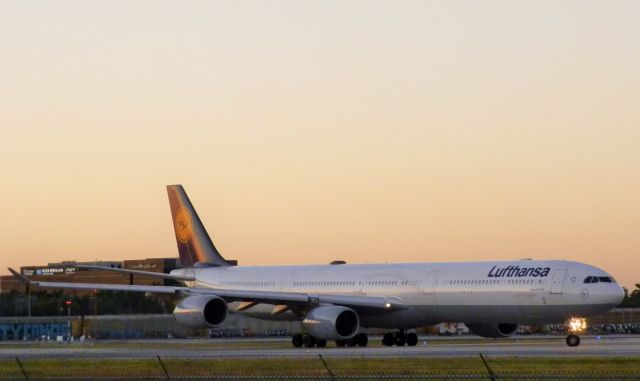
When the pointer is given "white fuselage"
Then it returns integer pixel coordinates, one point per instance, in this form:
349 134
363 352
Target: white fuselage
524 292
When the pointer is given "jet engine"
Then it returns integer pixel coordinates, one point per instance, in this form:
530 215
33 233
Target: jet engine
201 311
493 330
331 323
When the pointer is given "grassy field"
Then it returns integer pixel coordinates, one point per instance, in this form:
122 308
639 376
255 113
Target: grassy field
314 367
310 367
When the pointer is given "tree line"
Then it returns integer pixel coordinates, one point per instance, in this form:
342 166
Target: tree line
631 299
54 303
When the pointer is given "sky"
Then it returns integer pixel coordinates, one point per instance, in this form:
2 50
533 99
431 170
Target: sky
304 132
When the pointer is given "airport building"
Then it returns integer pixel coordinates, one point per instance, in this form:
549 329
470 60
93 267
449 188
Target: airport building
68 271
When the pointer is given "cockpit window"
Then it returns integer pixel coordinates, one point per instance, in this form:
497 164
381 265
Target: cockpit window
596 279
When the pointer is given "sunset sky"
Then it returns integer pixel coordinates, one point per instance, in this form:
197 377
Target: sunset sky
305 132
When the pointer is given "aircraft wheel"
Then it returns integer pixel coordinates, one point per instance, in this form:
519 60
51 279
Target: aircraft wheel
341 343
400 339
296 340
573 340
388 339
308 341
321 343
362 339
412 339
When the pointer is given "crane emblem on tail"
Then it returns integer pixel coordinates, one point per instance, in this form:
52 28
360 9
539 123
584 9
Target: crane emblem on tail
183 225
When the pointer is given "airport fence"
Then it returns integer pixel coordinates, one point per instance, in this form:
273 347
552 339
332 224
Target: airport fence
161 371
361 377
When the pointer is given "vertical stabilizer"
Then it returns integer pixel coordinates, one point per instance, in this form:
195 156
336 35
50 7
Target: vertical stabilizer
194 244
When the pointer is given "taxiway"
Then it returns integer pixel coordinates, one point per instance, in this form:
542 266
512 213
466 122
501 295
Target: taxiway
606 346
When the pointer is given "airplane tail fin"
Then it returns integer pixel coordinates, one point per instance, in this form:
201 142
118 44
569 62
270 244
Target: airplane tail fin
194 244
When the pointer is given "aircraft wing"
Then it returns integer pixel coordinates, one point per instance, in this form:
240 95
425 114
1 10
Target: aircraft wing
138 272
270 297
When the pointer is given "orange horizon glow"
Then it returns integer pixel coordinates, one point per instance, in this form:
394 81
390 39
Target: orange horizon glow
308 132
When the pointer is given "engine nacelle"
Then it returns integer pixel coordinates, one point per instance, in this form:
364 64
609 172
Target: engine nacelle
332 323
201 311
493 330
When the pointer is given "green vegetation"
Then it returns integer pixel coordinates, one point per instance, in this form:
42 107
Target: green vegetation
51 303
631 300
306 365
312 366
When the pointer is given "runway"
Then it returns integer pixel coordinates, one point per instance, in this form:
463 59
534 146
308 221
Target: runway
614 346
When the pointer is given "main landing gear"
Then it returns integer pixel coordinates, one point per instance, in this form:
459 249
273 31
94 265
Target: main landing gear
298 340
360 340
400 338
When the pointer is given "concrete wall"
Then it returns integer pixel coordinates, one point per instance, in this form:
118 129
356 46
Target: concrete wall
134 327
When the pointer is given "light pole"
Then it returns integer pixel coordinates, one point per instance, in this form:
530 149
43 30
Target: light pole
68 303
28 301
95 313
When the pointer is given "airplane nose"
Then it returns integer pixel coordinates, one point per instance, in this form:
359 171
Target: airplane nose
618 295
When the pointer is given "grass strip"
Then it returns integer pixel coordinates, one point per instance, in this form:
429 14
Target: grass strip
311 366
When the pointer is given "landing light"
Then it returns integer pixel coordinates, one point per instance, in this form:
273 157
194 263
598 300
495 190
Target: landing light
388 305
577 324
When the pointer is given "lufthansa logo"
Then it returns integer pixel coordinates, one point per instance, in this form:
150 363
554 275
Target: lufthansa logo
183 225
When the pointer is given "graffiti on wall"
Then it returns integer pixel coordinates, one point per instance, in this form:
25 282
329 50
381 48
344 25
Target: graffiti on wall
33 331
245 332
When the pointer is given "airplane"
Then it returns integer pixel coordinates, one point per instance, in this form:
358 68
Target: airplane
337 300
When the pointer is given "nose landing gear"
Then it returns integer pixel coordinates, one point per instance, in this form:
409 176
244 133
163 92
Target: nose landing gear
573 340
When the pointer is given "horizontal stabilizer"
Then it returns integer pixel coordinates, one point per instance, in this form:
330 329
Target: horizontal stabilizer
19 276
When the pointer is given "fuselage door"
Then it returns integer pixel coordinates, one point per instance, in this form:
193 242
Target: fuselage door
430 282
287 283
364 283
557 281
